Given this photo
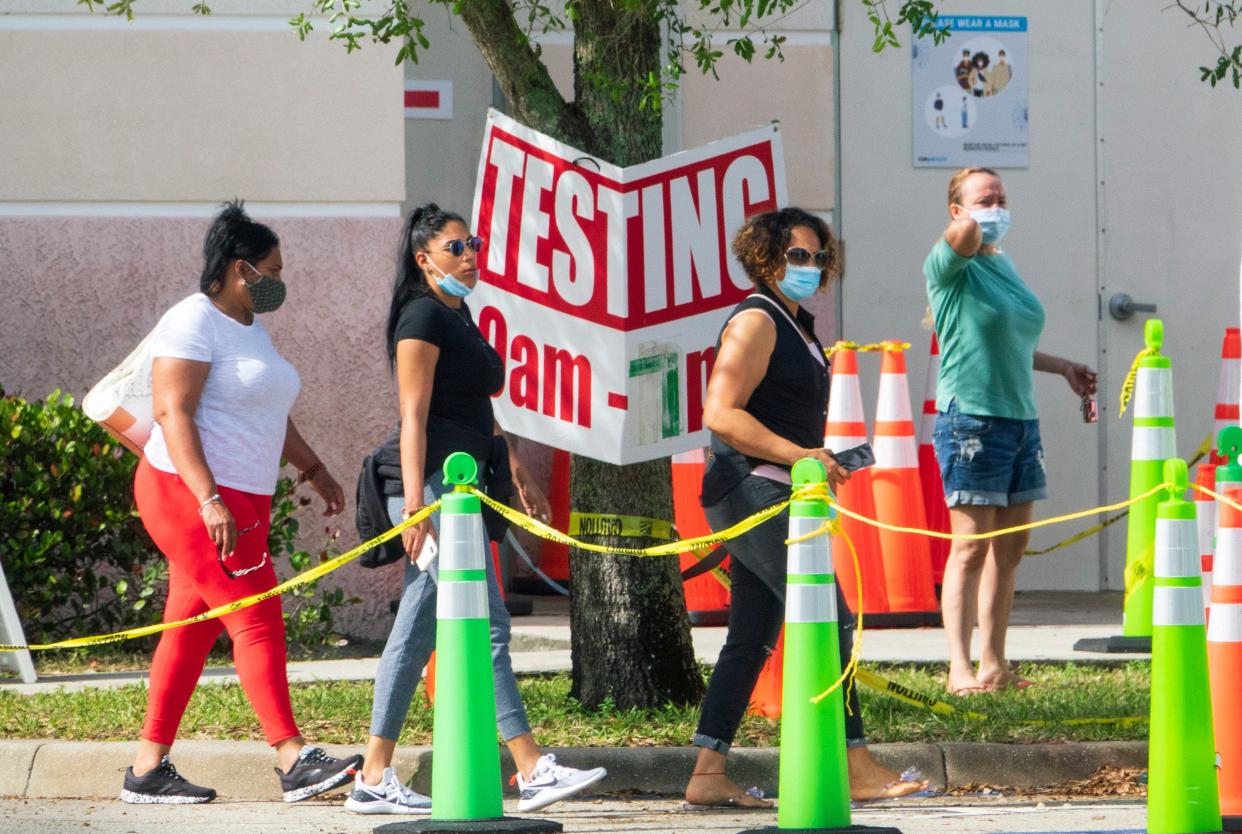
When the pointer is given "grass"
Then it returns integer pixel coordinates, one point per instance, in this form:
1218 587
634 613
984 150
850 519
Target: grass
339 712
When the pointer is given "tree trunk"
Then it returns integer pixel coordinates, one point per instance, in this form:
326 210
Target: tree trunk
630 631
631 635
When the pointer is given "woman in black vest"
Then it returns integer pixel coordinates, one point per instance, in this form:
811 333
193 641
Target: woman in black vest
767 401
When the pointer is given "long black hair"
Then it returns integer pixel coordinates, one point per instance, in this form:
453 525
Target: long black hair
421 226
233 235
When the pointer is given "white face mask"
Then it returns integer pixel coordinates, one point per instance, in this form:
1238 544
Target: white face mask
993 223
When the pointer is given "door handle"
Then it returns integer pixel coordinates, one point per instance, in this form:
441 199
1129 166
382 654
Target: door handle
1121 307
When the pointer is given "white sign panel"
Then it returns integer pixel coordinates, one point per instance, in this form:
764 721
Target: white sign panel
970 94
604 288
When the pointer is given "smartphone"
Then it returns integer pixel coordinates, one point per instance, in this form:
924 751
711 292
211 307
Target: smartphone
427 553
1090 411
856 457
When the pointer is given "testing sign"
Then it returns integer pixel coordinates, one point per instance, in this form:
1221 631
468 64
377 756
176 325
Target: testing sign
604 288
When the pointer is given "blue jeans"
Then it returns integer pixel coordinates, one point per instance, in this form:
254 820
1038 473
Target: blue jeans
989 461
413 637
756 615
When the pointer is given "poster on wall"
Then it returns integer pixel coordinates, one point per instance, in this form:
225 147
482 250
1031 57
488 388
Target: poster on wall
970 94
604 288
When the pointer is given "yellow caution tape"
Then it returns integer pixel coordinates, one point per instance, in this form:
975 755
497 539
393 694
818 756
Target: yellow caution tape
245 602
543 531
607 524
936 534
851 670
902 693
1127 386
873 347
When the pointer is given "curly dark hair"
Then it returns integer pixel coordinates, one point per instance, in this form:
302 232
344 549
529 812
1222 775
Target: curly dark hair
761 243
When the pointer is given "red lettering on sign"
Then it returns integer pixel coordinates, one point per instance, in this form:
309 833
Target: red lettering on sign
698 368
548 386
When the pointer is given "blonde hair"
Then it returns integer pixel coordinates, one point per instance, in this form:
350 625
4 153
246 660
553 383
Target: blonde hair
956 181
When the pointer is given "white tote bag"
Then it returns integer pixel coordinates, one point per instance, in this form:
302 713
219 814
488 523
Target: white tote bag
121 401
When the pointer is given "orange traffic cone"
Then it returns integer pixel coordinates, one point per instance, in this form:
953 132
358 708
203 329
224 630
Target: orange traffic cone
1227 386
1205 518
766 699
929 470
554 557
707 600
846 428
899 494
1224 643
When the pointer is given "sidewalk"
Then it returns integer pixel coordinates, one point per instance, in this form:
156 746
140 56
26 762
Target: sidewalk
1045 626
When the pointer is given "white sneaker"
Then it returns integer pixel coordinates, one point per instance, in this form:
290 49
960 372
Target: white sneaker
388 797
552 782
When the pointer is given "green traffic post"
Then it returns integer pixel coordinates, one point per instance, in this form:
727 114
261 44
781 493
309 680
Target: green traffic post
465 772
814 787
1182 792
1229 473
1154 441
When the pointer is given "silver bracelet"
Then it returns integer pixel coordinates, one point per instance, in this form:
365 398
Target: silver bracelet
215 499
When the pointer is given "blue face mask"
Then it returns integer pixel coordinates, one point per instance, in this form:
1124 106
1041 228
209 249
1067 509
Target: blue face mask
800 282
993 223
452 286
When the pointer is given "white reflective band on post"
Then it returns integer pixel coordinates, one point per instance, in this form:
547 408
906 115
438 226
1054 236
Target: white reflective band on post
1153 443
1153 392
462 542
461 601
1207 589
895 452
1177 547
1225 624
812 603
1227 563
810 556
1177 606
894 401
1205 517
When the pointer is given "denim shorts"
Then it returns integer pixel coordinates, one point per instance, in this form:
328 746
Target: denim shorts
989 461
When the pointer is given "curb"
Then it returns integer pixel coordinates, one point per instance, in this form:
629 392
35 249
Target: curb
243 769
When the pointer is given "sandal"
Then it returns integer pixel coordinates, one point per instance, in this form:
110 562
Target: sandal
897 789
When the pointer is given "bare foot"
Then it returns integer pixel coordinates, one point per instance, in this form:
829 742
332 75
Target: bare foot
965 683
1003 677
719 790
869 780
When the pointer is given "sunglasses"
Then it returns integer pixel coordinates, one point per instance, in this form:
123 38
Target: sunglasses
457 248
234 574
797 256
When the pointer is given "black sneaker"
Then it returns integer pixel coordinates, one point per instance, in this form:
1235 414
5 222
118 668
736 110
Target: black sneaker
315 772
163 786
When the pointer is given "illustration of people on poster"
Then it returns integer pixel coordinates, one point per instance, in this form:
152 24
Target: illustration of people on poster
970 94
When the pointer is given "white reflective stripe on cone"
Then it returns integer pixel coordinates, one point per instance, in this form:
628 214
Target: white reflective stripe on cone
1227 383
1205 519
837 442
894 401
927 429
811 603
845 399
461 600
895 452
1225 625
1207 589
1227 563
1153 443
1178 606
692 456
1177 547
462 541
810 556
1153 392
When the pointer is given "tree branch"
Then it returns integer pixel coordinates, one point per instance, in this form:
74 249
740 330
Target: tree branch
522 76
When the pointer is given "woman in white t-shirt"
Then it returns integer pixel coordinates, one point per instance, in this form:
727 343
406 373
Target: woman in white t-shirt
221 396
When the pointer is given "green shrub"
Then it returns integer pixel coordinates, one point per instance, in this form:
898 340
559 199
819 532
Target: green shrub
76 556
74 551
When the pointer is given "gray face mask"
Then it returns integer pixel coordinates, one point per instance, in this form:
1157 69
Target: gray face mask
266 294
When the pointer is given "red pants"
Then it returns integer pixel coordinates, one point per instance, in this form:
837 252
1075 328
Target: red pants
196 583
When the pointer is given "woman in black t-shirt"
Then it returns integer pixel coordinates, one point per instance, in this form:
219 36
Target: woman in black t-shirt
767 401
446 375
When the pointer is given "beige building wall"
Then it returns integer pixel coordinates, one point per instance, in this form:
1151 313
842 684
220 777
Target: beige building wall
120 140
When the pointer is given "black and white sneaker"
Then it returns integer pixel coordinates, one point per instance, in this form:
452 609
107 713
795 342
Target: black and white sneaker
388 797
315 772
163 786
552 782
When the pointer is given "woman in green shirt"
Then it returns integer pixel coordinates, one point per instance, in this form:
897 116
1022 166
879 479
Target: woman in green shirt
987 429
